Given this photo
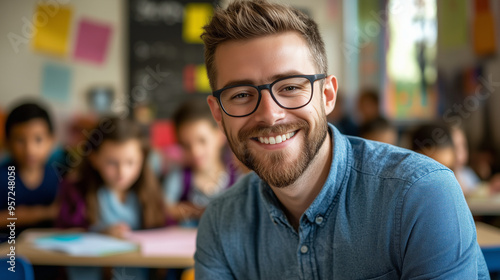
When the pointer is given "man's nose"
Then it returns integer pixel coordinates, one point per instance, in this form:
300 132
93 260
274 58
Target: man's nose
268 112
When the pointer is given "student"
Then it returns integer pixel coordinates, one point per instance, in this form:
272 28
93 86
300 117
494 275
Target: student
381 130
205 175
30 138
435 141
368 105
114 190
467 178
319 205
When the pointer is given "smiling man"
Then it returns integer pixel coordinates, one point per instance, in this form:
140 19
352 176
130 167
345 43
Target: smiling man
319 205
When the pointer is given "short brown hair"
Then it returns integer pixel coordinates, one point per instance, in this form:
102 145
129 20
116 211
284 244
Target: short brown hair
251 19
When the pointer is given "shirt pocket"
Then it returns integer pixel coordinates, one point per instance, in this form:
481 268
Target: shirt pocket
389 276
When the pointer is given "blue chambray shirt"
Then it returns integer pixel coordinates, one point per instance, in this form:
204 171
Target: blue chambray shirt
383 213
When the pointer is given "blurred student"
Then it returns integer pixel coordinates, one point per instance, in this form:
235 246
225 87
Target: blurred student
467 178
381 130
114 191
32 192
435 141
340 119
368 105
205 174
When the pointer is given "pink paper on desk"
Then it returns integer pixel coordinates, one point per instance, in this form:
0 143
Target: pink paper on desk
171 241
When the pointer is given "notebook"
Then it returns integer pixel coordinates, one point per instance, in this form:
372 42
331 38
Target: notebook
84 244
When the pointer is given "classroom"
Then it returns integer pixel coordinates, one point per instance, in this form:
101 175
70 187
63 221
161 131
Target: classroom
249 139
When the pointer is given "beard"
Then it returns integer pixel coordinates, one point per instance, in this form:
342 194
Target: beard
279 168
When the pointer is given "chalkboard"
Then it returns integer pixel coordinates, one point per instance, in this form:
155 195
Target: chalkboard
164 67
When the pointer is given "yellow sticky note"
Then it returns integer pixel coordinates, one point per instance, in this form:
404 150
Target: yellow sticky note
201 79
51 29
196 15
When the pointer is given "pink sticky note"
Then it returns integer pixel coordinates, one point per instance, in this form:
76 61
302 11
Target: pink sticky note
92 41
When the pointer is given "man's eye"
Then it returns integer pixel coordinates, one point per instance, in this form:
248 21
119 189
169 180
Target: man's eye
240 95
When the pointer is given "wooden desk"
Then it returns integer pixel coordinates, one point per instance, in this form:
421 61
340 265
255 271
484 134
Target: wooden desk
46 257
488 238
482 203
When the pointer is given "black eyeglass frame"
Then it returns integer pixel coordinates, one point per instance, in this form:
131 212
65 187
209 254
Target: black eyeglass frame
311 78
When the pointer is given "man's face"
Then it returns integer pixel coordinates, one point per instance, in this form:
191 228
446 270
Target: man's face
302 131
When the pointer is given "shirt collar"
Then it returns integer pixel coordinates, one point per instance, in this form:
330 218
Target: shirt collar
337 178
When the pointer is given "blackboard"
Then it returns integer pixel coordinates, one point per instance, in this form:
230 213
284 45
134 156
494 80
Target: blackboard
161 63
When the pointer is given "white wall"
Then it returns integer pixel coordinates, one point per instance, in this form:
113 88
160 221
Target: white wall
21 73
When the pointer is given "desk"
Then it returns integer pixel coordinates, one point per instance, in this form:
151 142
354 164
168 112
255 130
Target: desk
45 257
488 238
482 203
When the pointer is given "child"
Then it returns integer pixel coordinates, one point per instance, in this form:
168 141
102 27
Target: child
435 141
465 175
381 130
30 138
188 191
115 191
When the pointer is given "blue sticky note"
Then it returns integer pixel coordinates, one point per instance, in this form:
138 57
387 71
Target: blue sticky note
56 81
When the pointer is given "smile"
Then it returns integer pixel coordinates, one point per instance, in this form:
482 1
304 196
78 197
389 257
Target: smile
276 139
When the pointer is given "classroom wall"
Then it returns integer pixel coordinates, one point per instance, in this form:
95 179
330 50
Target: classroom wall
451 60
21 71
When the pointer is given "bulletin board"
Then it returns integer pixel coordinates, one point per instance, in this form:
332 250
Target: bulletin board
166 62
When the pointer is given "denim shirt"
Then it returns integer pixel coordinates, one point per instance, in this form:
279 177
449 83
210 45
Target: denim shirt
383 213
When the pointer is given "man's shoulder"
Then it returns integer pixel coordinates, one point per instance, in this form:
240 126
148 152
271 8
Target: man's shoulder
243 189
391 162
238 200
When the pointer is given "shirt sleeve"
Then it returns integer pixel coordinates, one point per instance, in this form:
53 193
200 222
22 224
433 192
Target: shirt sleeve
210 262
438 234
173 186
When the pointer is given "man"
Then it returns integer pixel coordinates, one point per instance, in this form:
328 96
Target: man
320 205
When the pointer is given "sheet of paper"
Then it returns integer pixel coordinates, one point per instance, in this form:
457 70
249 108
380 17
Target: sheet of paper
452 23
51 27
56 81
201 79
171 241
196 15
162 134
92 41
84 244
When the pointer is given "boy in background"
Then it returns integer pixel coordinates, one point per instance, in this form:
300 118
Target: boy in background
435 141
381 130
29 138
205 173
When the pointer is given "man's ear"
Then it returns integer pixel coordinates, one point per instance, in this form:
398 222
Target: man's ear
216 110
330 93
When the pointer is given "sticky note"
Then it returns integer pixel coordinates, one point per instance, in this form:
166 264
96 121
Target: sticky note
56 81
92 41
201 79
188 78
51 29
162 134
196 15
452 23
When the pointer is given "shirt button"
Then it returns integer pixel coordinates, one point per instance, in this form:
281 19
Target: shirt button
319 220
304 249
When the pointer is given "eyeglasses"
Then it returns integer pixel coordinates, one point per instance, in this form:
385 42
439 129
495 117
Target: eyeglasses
291 92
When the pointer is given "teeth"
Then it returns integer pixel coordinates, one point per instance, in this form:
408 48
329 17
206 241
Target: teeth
276 140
